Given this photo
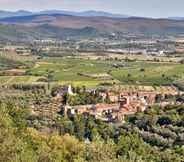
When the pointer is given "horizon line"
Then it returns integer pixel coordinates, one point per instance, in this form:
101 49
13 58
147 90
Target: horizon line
81 11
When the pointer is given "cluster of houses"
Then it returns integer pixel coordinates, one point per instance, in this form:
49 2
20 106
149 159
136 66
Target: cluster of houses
109 112
122 102
154 52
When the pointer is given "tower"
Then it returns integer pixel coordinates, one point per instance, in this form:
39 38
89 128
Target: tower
70 90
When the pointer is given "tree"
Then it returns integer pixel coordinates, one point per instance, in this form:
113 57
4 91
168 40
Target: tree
164 120
142 70
50 76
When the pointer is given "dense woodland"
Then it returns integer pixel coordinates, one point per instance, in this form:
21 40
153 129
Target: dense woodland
156 135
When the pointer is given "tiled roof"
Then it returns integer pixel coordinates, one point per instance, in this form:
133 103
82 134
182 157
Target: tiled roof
107 106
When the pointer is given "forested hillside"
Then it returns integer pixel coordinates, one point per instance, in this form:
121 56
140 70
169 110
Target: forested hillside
157 136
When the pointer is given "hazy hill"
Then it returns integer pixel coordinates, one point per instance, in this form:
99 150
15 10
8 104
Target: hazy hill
91 13
62 25
176 18
5 14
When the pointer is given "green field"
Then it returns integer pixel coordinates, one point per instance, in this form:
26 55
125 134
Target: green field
150 73
17 79
67 70
11 60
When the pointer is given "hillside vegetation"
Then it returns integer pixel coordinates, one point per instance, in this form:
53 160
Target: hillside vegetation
141 140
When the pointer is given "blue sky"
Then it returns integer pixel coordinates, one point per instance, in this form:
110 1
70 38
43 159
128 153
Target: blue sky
147 8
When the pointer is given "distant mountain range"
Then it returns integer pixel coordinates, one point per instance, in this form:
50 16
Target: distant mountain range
4 14
91 13
176 18
24 25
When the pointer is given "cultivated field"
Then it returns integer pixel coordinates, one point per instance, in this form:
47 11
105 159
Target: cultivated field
150 73
95 72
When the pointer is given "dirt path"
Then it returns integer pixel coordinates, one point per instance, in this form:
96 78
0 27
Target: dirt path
10 80
38 64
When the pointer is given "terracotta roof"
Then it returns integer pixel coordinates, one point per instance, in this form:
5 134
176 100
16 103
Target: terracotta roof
106 106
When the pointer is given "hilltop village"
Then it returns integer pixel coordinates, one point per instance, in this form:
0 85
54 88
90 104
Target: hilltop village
109 104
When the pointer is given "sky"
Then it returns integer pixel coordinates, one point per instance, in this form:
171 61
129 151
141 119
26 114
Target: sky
145 8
